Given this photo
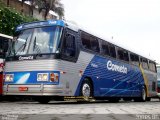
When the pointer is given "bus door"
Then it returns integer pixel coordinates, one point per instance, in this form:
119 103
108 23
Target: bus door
69 53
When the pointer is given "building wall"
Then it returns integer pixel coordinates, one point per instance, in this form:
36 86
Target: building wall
26 10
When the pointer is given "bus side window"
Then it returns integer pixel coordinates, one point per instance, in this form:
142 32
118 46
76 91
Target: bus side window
112 51
144 63
86 40
94 44
134 59
3 47
152 66
105 48
123 54
69 47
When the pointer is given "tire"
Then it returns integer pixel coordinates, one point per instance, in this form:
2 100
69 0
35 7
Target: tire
114 100
127 99
86 89
148 99
143 97
43 100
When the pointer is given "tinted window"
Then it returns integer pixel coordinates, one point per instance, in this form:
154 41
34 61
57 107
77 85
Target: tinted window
86 40
94 44
152 66
105 48
69 47
3 46
144 63
112 51
134 59
122 54
90 42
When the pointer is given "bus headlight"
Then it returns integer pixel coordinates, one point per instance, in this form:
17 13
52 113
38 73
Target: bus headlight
9 77
42 77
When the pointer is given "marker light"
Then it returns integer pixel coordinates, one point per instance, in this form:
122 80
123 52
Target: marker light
54 77
42 77
9 77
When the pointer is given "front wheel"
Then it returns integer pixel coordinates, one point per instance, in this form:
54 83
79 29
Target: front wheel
43 100
86 89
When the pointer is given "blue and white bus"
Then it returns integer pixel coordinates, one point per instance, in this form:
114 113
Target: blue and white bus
51 59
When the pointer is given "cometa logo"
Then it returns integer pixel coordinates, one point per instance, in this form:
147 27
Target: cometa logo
116 68
26 58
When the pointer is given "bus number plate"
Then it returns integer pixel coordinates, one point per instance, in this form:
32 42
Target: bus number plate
23 88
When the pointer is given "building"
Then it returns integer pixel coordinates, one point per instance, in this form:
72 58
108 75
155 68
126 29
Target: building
26 10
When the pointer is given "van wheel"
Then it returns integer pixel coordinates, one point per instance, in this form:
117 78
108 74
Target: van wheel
86 89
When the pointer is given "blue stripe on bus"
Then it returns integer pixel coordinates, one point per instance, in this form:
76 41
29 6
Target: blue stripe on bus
30 77
112 83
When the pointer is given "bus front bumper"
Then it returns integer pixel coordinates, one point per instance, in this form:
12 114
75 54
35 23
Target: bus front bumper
33 90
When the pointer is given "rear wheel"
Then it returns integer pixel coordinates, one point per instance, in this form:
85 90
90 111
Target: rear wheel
148 99
143 97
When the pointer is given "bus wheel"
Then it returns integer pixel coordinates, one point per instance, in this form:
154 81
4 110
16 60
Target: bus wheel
143 97
114 100
148 99
127 99
43 100
86 89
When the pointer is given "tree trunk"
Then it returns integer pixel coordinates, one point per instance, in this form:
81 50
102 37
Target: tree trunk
7 3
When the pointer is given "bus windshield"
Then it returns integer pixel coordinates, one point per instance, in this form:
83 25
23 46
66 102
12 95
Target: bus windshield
42 40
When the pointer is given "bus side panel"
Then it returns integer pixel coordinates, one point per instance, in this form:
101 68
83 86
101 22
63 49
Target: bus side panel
151 82
113 83
1 80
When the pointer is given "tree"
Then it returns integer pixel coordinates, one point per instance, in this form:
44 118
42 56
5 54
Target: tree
54 5
46 5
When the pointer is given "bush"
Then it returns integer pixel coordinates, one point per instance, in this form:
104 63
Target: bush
10 18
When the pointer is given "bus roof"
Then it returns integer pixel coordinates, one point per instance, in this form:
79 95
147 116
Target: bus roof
40 23
76 28
6 36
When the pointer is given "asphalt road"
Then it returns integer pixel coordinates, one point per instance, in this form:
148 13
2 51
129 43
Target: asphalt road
71 110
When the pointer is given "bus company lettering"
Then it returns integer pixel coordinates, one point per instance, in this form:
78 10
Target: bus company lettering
117 68
26 58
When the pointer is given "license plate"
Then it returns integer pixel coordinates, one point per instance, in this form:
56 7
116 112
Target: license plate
23 88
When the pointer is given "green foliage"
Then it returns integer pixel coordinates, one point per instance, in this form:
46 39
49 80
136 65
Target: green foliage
10 18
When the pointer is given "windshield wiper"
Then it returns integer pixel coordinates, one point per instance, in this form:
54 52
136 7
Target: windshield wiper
36 47
22 47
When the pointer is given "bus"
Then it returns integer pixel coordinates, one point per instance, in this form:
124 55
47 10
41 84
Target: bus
53 59
4 43
158 80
